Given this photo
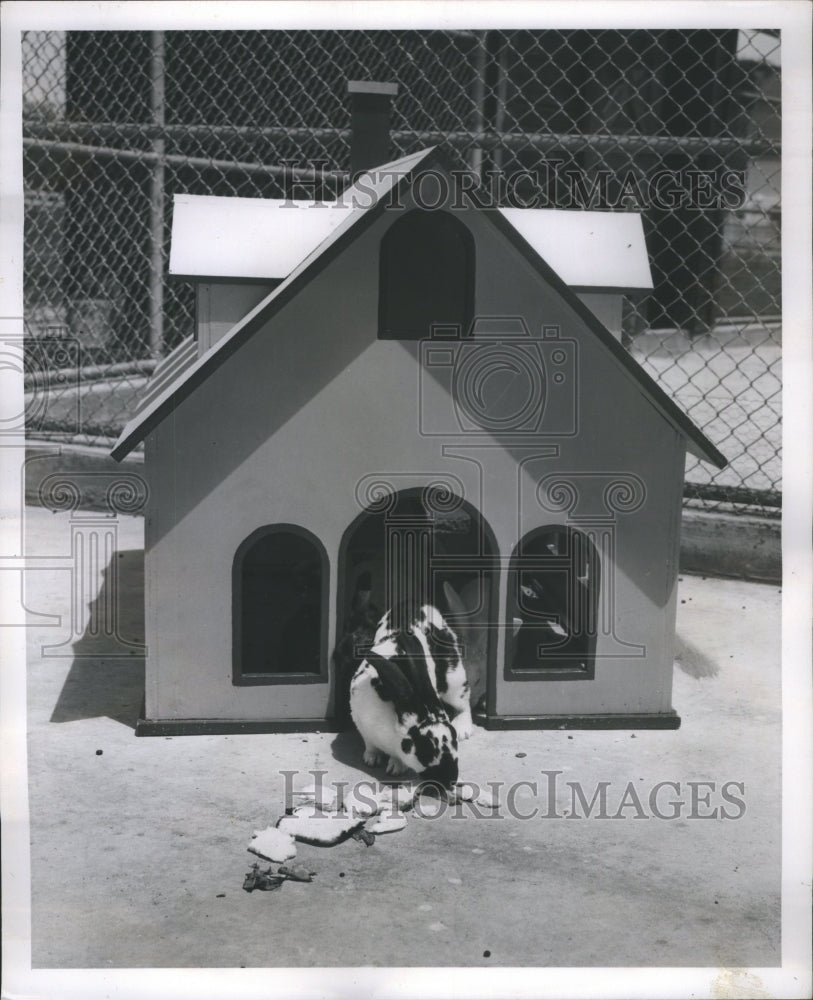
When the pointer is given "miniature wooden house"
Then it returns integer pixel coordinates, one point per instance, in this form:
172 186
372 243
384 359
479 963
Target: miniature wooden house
382 391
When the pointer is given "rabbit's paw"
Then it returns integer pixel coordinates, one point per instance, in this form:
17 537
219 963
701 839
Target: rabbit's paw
395 767
463 725
373 757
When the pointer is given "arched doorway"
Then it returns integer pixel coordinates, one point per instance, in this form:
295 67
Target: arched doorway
418 546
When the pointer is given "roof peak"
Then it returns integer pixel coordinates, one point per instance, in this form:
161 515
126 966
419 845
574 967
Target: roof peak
353 223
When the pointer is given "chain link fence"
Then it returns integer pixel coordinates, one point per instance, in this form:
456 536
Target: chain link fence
681 125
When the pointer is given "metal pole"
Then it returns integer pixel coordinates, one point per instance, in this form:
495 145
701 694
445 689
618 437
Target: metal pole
502 93
149 158
116 131
75 137
156 284
479 98
660 145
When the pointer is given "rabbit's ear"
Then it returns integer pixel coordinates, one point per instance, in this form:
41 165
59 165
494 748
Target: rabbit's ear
470 607
475 598
458 612
361 595
453 600
391 683
471 610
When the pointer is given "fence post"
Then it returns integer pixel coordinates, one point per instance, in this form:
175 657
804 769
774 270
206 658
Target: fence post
156 284
501 96
478 99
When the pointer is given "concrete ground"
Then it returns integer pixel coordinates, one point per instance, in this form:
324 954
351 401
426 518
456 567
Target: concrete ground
138 846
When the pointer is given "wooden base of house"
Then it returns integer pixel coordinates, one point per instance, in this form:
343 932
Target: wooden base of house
642 720
229 727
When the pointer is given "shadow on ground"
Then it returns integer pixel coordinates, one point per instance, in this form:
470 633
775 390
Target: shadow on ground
692 660
348 748
106 678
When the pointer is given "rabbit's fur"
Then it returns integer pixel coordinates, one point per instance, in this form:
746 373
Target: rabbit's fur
405 689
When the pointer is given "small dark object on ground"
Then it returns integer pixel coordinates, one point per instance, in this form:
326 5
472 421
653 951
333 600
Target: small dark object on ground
364 835
99 753
520 754
486 953
267 881
222 895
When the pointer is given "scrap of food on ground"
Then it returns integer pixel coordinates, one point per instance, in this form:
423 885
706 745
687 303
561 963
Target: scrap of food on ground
323 818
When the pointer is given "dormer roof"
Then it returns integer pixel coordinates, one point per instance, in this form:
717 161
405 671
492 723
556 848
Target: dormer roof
368 199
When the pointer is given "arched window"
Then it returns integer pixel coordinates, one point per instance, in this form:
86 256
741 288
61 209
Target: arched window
279 607
553 591
427 276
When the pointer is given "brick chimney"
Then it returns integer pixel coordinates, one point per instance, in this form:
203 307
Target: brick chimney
370 106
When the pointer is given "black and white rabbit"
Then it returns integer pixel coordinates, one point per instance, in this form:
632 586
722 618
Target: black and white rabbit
403 691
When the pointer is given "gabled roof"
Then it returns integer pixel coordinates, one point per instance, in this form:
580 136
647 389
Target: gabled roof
368 194
256 239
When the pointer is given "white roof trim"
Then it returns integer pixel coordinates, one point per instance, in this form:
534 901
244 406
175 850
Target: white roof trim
265 238
587 249
246 237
